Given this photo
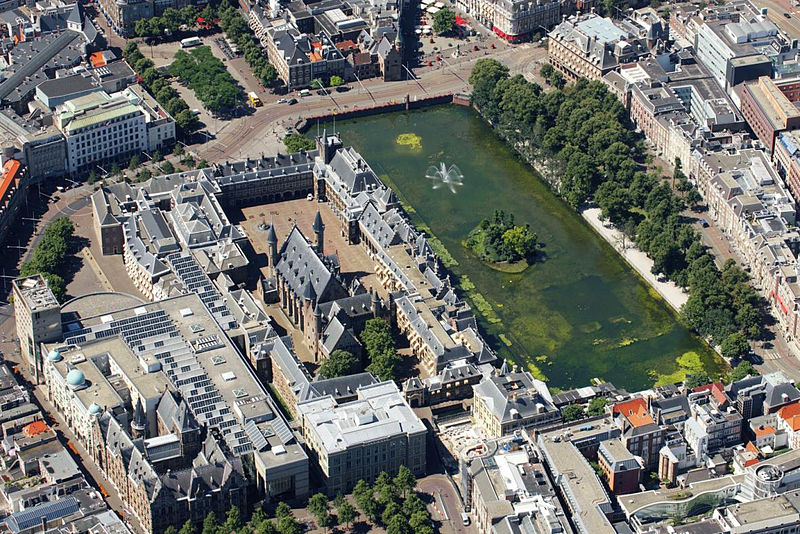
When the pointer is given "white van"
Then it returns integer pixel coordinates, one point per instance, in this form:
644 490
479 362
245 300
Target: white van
465 519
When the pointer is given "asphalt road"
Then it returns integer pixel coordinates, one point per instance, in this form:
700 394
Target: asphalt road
245 136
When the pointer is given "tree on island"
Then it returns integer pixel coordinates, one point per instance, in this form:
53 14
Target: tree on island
500 240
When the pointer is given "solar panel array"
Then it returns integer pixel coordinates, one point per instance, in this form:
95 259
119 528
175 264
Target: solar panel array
195 280
155 334
50 511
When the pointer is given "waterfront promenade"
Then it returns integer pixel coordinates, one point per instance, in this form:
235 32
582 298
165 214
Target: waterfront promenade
674 295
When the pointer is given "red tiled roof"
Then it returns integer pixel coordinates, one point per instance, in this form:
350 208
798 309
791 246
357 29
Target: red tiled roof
10 177
791 414
763 431
635 411
37 427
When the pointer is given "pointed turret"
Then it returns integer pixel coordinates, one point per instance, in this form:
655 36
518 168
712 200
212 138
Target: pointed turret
139 422
504 369
319 232
272 243
309 293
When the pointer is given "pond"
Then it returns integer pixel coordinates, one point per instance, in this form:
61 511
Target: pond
579 312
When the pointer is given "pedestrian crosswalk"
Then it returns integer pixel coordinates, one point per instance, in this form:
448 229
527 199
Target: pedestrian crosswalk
770 355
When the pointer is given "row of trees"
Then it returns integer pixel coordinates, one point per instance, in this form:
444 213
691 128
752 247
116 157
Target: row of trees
384 361
49 256
391 502
207 76
237 30
584 134
171 21
283 522
161 90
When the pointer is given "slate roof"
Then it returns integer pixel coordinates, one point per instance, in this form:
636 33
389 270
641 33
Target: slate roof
514 391
342 386
299 263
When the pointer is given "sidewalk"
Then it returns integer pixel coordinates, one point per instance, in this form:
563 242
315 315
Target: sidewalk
669 291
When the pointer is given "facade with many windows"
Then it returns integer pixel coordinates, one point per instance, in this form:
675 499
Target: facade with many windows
359 439
100 130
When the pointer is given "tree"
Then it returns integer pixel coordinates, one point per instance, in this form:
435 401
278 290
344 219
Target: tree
114 169
289 525
742 370
210 524
735 346
597 406
316 83
144 175
282 510
187 528
412 505
697 379
391 510
318 504
346 513
546 71
398 525
336 81
519 243
233 519
295 142
133 163
171 530
157 156
444 21
339 363
572 412
387 491
405 480
202 164
167 167
420 523
92 178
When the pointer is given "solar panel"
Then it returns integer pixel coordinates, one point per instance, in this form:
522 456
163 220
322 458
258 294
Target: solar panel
282 430
259 441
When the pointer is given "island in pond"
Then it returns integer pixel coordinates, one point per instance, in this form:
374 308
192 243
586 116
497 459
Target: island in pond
502 244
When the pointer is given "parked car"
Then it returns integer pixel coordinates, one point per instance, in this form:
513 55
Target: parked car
787 15
282 101
293 101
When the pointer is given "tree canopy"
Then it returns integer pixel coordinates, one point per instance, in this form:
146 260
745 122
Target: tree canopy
499 239
206 75
154 82
50 254
340 363
294 142
379 344
444 20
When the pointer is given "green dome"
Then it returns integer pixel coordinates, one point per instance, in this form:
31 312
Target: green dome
95 409
54 356
75 378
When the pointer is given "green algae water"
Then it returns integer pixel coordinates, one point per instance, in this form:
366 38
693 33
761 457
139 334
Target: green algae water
578 313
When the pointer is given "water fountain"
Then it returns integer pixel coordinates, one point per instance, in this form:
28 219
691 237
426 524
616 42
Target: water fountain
445 176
